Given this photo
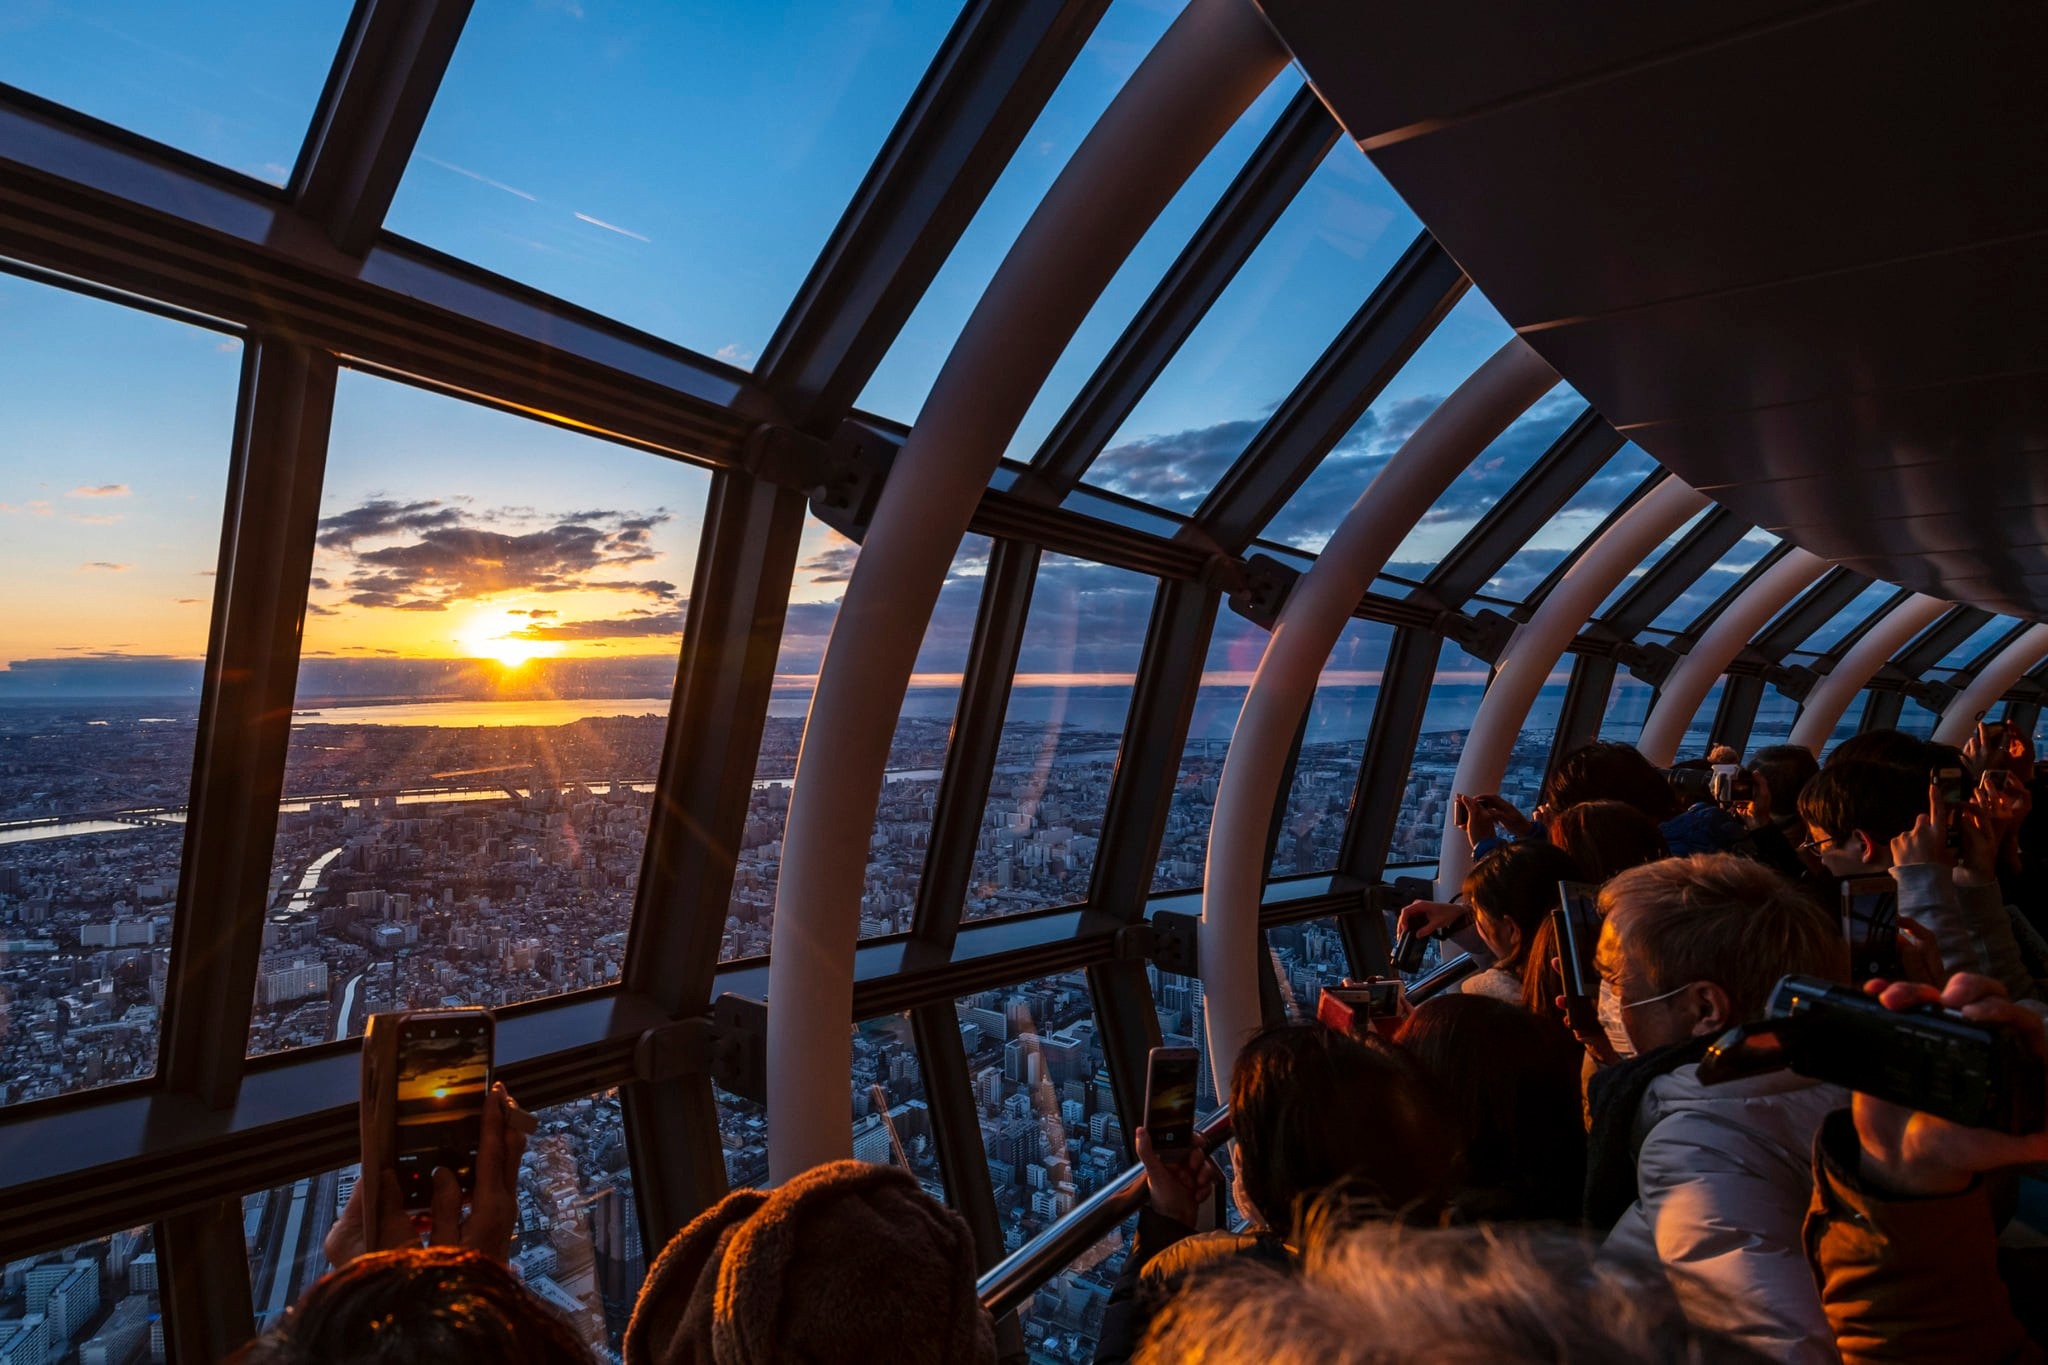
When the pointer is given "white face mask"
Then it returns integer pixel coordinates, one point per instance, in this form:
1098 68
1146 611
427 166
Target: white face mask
1610 1008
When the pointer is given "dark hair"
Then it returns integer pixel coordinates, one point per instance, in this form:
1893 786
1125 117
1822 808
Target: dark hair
1606 771
418 1304
1880 799
1518 883
1895 747
1607 837
1510 1084
1785 769
1312 1108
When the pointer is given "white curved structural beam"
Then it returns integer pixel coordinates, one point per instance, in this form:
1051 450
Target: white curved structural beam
1679 699
1537 645
1313 616
1189 90
1830 697
1989 685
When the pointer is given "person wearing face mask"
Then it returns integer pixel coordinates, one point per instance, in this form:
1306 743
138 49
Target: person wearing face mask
1691 947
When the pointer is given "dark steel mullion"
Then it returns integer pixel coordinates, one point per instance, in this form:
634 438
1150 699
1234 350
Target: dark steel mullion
1712 611
1881 710
1559 473
1735 712
739 597
252 666
1585 705
978 719
956 1126
1709 541
1155 735
991 78
203 1283
1862 628
1405 684
377 97
1564 566
1127 1021
1283 163
1954 626
1741 693
1973 667
1365 357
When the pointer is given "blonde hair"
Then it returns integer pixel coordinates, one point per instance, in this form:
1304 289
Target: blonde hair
1384 1294
1716 917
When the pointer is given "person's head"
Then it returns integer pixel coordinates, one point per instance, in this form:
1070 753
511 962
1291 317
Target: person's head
848 1261
1312 1108
1607 837
1855 808
1379 1294
1606 771
418 1304
1895 747
1692 946
1512 891
1723 754
1785 769
1510 1084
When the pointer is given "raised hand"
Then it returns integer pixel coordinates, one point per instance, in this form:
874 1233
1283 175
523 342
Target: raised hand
1178 1182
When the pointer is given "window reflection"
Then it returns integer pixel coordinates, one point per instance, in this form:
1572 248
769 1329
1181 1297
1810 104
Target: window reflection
1060 737
109 534
483 694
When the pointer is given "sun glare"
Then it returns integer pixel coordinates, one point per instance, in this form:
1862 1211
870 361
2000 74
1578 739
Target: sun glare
495 636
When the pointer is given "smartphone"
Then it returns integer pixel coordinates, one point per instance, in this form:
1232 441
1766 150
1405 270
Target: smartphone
1953 784
1461 812
1171 1074
1409 948
1991 739
1870 923
440 1069
1576 922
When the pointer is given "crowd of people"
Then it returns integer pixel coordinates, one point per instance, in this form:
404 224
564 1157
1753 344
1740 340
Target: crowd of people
1501 1177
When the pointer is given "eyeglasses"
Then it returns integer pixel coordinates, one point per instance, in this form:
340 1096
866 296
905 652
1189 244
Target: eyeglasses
1817 846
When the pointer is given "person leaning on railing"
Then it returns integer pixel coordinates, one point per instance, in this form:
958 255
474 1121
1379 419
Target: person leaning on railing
1312 1110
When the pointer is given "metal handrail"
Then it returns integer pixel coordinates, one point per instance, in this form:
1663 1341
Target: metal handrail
1017 1276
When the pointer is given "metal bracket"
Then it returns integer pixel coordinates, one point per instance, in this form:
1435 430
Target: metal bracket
1483 636
1169 940
1793 680
1652 663
1933 694
682 1048
737 1054
842 476
1256 588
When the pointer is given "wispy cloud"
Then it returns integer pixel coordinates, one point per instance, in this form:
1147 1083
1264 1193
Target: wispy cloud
614 227
99 490
85 520
732 353
107 565
482 179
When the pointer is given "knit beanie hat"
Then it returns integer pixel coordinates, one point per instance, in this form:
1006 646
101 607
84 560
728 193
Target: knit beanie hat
847 1262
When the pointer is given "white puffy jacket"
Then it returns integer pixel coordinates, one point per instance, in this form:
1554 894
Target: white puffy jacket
1724 1177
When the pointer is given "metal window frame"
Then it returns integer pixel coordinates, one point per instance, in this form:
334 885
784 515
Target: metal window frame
1886 696
1743 687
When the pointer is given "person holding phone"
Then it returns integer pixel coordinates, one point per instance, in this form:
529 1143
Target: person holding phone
1901 1232
1312 1111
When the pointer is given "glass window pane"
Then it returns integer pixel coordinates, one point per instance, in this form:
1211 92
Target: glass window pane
1776 713
1049 1124
1574 524
1918 721
677 167
1698 731
1848 618
577 1243
1470 333
1710 586
1315 268
1061 734
1235 648
924 727
233 81
1447 718
1128 30
109 532
483 692
1628 706
1976 644
90 1301
1307 957
1332 748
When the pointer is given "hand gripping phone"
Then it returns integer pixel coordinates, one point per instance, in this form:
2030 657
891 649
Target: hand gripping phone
426 1077
1373 1005
1930 1059
1870 924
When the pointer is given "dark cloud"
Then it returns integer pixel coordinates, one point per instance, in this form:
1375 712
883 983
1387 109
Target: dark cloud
1176 469
434 555
316 609
633 625
833 565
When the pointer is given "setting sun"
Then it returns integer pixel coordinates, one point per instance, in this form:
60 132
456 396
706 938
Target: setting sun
495 635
